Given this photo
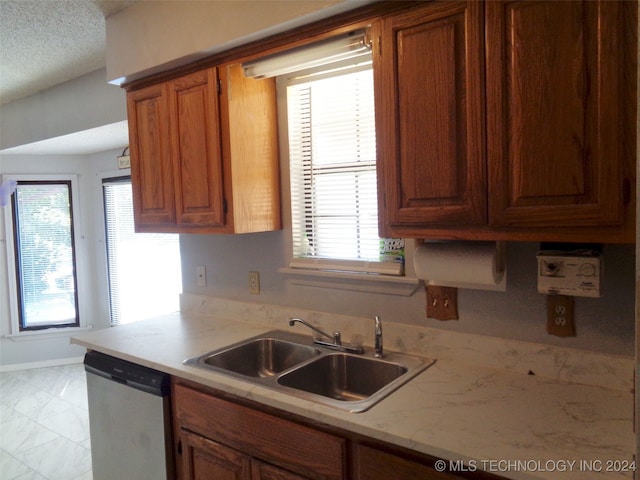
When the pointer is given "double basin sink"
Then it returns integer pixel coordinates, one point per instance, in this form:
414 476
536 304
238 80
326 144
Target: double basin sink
290 363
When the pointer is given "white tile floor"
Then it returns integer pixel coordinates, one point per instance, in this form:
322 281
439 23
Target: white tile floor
44 424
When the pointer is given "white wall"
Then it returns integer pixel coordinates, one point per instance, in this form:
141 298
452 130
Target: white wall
603 325
93 307
74 106
149 37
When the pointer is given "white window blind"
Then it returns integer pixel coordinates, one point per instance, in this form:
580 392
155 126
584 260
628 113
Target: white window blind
144 268
332 150
45 257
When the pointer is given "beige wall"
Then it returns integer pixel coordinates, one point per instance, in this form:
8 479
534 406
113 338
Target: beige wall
153 36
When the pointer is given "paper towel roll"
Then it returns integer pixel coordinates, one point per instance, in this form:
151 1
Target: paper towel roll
462 264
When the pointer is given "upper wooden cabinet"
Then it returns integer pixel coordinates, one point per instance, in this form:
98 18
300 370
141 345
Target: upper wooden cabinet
554 113
151 169
204 154
429 93
508 120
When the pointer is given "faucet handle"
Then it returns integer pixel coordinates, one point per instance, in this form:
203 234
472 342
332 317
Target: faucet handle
379 349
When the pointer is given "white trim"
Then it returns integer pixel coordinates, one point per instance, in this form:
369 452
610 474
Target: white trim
359 282
323 270
374 267
101 261
42 364
46 333
78 235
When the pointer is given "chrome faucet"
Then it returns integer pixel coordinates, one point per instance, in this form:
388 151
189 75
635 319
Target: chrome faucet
378 338
336 338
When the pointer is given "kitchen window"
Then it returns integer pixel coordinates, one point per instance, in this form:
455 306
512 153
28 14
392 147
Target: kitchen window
331 143
143 269
42 255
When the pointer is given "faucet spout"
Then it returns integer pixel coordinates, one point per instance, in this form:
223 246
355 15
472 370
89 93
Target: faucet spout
335 338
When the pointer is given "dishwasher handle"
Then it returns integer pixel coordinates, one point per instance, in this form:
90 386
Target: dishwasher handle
130 374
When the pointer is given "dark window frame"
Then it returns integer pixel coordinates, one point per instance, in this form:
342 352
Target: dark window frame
15 214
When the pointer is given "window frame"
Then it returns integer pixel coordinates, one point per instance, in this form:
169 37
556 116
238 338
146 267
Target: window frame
12 267
322 273
302 79
105 179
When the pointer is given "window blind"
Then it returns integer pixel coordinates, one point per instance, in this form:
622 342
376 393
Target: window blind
45 258
332 150
144 269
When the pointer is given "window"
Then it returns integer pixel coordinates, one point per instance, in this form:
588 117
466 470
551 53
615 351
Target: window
332 156
42 226
144 269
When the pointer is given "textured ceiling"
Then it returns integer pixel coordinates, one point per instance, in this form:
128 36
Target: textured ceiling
47 42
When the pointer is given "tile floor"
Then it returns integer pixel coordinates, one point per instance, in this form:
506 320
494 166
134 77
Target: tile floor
44 424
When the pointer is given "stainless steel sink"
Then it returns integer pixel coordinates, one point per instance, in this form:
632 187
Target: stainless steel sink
265 356
343 377
289 363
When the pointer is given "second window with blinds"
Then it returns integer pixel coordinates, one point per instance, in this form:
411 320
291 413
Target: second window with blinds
332 165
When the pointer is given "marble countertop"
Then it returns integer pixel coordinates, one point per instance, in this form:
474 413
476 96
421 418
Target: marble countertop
512 421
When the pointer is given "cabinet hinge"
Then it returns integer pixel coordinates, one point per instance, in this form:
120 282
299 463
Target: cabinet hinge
219 87
224 206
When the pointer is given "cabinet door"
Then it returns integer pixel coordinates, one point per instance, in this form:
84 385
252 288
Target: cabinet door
264 471
374 464
195 149
430 123
151 169
250 147
204 459
554 108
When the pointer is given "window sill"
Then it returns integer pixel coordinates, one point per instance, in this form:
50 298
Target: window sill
45 334
360 282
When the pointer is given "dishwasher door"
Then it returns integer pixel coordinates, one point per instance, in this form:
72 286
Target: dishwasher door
129 420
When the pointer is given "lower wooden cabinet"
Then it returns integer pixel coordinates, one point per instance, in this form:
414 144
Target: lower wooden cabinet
204 459
371 463
218 439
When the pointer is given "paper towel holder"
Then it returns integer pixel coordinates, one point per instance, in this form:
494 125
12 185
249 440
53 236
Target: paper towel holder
434 258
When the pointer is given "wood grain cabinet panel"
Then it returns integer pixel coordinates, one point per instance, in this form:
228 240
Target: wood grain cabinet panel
554 104
151 169
203 459
508 120
287 450
196 153
429 81
204 156
374 464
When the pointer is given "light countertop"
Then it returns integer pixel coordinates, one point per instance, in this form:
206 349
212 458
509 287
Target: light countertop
573 421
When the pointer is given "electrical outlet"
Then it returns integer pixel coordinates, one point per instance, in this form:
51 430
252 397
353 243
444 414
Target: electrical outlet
560 310
442 302
201 275
254 283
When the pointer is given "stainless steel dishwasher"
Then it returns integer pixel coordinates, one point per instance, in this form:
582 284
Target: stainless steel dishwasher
129 420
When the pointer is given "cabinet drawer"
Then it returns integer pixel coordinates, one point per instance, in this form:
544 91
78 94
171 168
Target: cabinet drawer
298 448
